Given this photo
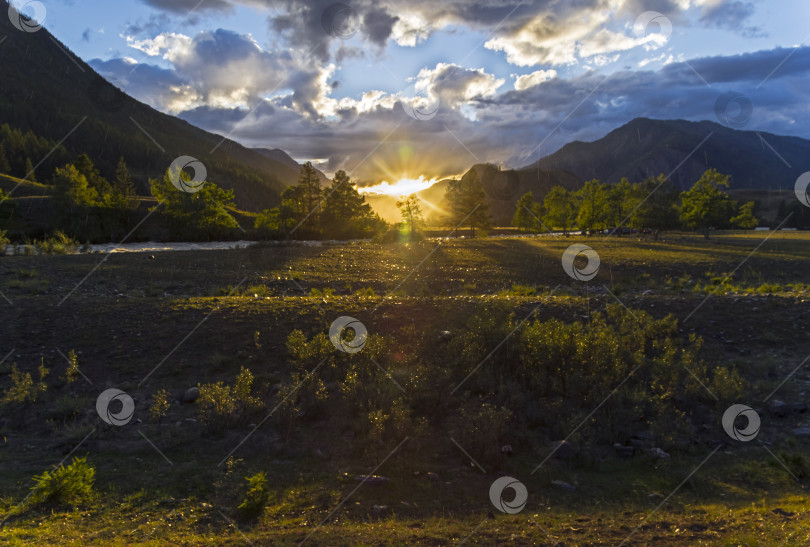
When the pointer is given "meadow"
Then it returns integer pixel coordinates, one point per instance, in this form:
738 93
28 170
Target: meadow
482 355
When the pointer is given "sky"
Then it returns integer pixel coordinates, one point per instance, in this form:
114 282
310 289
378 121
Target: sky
403 89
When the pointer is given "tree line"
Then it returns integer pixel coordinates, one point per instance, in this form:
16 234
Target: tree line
649 205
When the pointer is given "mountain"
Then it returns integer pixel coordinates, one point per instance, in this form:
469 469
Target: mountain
644 147
51 92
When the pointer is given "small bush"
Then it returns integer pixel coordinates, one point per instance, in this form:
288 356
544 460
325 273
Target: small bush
256 497
222 406
4 242
66 485
161 404
23 389
72 371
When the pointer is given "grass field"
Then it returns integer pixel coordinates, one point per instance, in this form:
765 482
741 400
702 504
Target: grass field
172 320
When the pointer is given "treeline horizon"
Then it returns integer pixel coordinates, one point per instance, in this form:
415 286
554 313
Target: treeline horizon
89 206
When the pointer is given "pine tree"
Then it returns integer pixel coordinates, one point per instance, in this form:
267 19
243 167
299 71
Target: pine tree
122 182
29 170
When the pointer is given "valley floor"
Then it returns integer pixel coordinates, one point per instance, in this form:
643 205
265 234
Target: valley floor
142 323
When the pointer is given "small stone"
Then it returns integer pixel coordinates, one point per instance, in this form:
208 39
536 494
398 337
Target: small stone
506 449
799 407
191 394
656 452
802 431
432 476
380 508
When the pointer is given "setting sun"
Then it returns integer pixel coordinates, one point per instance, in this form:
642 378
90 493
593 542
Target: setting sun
402 187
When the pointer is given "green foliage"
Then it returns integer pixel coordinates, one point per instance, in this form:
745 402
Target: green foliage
72 370
222 406
411 212
66 485
200 214
256 498
528 214
161 403
23 389
706 205
745 218
4 240
561 209
594 206
481 428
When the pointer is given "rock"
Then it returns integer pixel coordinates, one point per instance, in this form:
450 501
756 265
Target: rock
562 485
624 451
380 508
563 450
802 431
655 496
506 449
799 407
778 408
432 476
656 452
373 480
644 436
191 394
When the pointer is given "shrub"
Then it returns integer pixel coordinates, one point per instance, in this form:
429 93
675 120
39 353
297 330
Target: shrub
256 497
161 404
222 406
72 371
70 484
4 241
23 389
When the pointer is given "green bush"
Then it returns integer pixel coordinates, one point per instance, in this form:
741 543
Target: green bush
256 497
66 485
23 389
161 403
222 406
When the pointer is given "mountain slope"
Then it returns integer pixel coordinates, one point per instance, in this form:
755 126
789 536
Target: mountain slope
48 90
645 147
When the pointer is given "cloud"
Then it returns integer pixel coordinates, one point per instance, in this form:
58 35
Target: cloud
535 78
